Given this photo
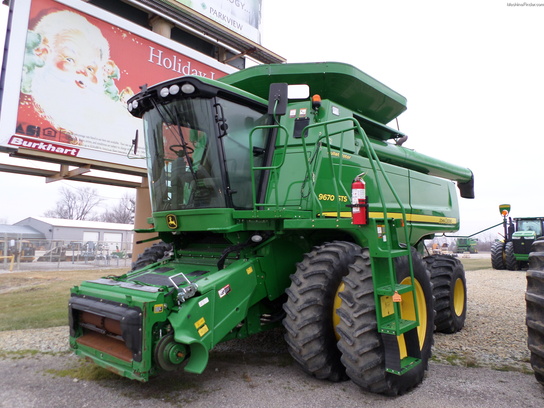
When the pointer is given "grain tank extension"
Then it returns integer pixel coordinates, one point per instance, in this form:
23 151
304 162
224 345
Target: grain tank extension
270 210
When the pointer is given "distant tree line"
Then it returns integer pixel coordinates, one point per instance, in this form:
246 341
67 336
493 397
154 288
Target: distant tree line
85 204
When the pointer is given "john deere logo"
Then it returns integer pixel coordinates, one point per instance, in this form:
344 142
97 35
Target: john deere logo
504 209
172 221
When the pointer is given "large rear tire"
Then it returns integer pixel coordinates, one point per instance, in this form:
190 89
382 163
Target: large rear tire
534 298
450 292
362 347
497 255
310 336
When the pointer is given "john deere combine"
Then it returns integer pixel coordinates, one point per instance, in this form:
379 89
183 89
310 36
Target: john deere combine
270 209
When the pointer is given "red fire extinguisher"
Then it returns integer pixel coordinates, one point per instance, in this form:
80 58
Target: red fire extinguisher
359 207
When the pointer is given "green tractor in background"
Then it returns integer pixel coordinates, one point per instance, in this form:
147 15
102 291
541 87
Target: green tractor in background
512 253
524 248
271 209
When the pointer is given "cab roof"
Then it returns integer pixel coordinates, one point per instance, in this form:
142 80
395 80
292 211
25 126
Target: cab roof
338 82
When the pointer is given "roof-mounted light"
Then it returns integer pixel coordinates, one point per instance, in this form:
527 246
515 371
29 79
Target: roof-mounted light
172 90
132 105
188 88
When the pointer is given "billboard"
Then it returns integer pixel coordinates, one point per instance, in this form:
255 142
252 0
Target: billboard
68 71
240 16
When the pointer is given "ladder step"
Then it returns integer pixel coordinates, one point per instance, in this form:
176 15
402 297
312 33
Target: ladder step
406 364
387 253
393 363
396 330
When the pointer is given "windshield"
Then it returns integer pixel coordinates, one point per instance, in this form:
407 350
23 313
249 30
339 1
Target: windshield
530 225
198 153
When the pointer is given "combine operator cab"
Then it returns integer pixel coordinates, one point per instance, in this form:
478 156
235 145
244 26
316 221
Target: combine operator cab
197 146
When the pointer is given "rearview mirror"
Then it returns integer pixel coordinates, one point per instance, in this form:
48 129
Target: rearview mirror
277 99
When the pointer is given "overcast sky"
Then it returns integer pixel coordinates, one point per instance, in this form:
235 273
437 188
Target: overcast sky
472 71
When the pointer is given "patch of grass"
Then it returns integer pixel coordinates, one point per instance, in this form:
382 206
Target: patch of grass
454 359
85 371
18 355
470 361
471 264
38 300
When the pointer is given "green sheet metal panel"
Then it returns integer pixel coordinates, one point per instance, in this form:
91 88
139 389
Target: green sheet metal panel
342 83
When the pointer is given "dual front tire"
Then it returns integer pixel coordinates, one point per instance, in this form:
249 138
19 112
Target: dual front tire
503 256
331 327
309 309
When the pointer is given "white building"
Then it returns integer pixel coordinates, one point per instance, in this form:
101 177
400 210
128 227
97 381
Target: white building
115 236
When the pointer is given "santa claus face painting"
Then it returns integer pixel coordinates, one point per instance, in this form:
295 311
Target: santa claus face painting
75 56
70 77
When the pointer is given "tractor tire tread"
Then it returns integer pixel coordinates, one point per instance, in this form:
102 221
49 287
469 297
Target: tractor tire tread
309 308
361 345
445 270
534 299
497 255
155 253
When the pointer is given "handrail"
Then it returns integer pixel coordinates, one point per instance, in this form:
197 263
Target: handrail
276 167
336 180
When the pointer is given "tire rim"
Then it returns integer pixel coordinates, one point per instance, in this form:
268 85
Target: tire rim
336 304
408 313
459 297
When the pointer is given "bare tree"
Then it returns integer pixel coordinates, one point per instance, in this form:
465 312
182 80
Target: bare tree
123 213
75 204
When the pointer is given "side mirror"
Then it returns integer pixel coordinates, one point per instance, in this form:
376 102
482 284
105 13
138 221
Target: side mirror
135 142
277 99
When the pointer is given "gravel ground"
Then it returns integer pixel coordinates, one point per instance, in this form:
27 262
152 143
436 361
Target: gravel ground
495 334
491 348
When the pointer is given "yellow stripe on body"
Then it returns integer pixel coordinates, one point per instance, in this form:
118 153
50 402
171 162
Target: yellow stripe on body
430 219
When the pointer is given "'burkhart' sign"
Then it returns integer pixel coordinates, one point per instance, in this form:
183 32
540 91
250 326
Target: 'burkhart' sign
77 67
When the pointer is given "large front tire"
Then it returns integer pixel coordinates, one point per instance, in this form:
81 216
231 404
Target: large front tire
362 347
534 298
450 292
310 336
152 254
510 258
497 255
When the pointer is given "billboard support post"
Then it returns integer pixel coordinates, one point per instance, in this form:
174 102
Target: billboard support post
161 26
143 210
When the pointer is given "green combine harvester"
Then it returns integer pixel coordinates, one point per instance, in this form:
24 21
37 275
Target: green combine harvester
469 245
274 209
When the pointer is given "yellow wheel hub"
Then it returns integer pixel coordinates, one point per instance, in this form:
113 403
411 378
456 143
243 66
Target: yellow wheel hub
408 312
459 297
335 306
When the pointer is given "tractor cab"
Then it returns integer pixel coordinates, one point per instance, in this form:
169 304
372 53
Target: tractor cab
527 230
533 226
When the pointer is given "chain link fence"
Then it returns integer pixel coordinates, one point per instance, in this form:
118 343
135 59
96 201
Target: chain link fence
41 254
